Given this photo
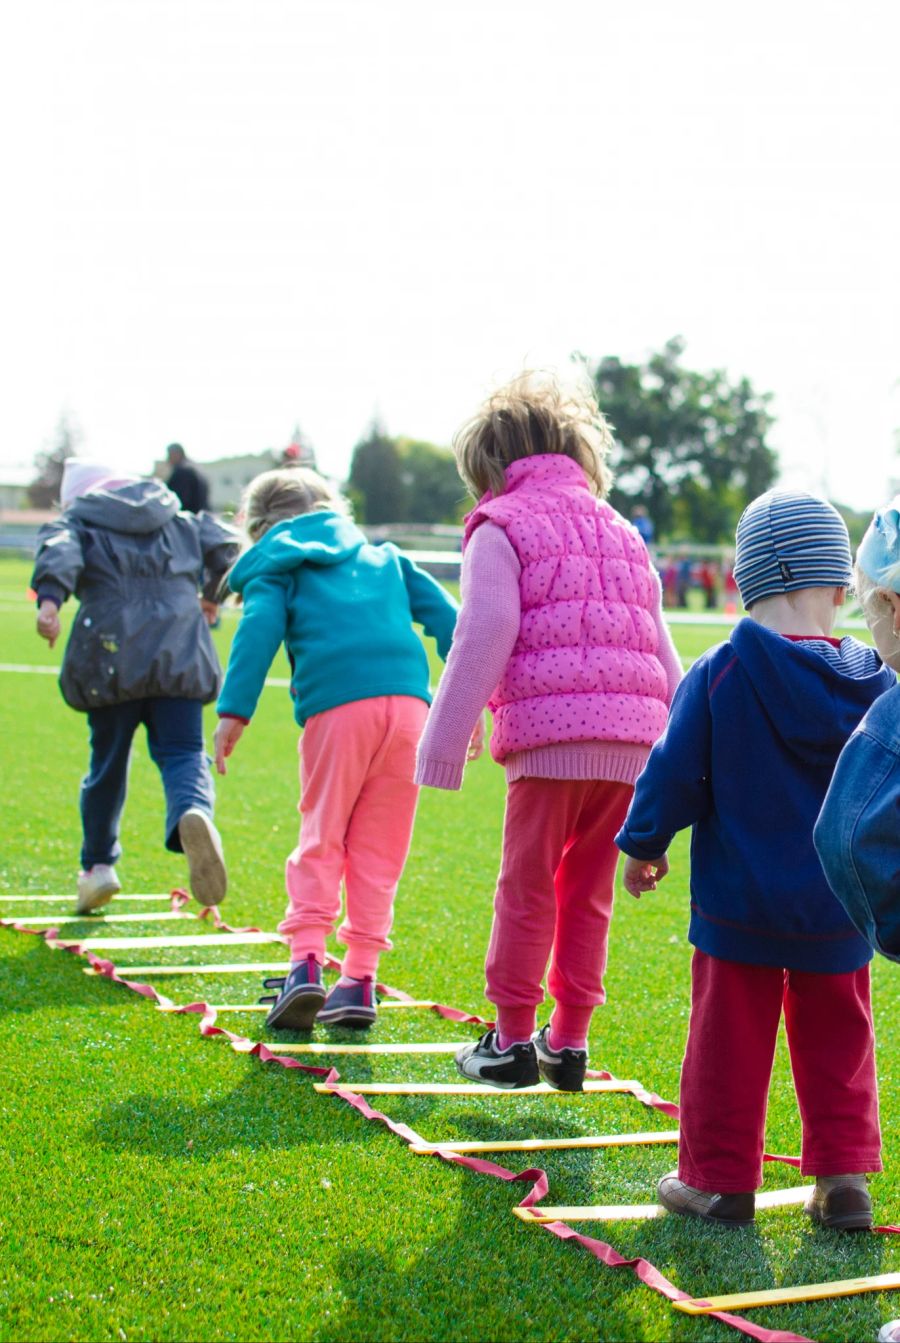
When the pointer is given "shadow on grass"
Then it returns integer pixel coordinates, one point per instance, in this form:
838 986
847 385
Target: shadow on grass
33 977
255 1115
473 1257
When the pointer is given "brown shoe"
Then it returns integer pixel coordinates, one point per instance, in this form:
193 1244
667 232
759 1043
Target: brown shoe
726 1209
844 1207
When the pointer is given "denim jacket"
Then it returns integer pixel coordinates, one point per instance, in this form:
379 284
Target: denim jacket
857 834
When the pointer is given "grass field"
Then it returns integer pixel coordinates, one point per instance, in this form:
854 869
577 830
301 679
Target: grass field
156 1185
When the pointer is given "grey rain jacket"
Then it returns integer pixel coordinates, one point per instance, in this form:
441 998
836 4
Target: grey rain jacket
136 564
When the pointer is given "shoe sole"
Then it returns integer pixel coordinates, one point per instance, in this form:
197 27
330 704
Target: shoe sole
496 1083
354 1018
705 1217
203 850
561 1079
98 899
849 1222
297 1010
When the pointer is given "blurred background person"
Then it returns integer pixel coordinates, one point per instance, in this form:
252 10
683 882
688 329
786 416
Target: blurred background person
186 481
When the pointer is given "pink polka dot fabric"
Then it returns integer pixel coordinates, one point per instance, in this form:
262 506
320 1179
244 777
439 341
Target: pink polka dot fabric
584 667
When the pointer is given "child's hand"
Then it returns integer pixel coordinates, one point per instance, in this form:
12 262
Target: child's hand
210 612
476 744
48 622
228 734
642 874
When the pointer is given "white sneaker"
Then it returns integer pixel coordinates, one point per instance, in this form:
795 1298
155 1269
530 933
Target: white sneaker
890 1332
96 887
203 850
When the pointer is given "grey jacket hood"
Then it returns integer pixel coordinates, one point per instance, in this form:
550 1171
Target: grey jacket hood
138 508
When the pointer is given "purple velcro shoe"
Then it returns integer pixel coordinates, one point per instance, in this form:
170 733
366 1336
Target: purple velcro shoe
301 994
353 1005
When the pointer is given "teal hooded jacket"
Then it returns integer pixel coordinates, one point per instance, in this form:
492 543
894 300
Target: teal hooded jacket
343 609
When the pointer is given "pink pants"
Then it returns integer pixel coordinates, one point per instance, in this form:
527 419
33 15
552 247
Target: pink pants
554 894
735 1011
357 806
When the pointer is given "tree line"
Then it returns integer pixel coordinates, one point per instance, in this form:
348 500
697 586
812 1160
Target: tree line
690 449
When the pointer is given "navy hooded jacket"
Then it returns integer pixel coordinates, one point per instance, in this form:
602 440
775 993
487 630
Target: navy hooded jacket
754 733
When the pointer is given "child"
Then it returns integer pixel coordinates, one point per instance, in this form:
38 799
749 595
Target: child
139 652
755 731
344 611
561 632
858 832
857 835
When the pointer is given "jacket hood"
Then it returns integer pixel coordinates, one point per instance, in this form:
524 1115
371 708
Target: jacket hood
818 703
141 506
322 538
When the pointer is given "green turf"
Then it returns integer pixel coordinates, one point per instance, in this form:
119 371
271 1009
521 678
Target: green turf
155 1185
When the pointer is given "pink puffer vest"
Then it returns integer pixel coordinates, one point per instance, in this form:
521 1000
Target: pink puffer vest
584 667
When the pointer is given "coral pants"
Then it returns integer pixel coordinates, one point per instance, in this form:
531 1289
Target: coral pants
554 894
357 806
735 1011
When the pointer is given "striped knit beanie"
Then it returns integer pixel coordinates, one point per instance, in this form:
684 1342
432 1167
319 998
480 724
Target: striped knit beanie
787 540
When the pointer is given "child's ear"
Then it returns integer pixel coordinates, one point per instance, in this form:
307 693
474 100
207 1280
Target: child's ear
894 599
840 596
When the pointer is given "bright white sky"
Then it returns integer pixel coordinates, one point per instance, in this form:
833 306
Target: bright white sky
225 216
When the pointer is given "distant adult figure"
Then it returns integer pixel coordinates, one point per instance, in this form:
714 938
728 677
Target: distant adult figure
709 581
641 520
685 581
186 481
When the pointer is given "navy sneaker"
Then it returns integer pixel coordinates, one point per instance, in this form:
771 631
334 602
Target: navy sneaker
506 1069
563 1069
353 1005
301 994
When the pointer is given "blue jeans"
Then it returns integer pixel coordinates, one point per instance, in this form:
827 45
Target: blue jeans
175 739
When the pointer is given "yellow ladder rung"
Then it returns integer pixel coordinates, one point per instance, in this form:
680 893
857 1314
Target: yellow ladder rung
267 1007
236 968
784 1296
548 1144
465 1088
95 920
772 1198
323 1047
180 940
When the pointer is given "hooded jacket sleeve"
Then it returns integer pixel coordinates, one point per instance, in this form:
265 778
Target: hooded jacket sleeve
262 628
220 546
58 561
856 835
673 791
432 606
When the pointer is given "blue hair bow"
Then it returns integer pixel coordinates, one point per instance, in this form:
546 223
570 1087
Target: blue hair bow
879 551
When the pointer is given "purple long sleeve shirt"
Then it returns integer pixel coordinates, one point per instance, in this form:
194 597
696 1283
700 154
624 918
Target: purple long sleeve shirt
486 633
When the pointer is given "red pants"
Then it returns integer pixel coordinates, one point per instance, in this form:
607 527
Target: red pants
554 893
735 1011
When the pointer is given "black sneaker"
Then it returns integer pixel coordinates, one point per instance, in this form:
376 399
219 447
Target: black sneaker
354 1005
302 993
507 1069
563 1069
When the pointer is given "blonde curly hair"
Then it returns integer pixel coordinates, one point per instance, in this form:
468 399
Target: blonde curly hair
534 413
276 496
